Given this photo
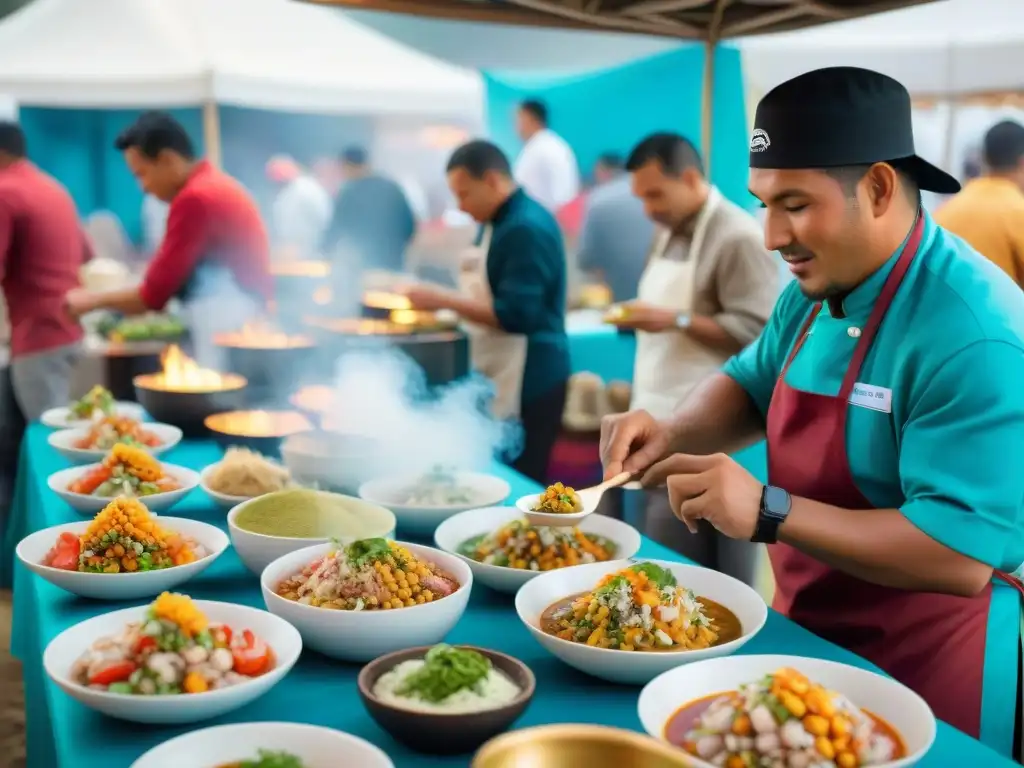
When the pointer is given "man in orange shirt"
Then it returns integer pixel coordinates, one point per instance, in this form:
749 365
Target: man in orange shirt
989 211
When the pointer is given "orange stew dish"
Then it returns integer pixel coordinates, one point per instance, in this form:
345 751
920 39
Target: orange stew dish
111 430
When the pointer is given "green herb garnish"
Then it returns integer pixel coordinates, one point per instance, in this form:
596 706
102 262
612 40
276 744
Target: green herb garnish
469 547
359 553
445 671
660 577
268 759
616 583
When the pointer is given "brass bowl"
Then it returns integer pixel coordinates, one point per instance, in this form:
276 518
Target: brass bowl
560 746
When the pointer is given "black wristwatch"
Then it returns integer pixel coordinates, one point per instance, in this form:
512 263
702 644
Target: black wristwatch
775 506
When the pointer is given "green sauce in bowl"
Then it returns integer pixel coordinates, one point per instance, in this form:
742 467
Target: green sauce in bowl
299 513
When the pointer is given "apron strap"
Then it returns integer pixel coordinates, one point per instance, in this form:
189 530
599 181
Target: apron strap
1013 581
892 284
804 332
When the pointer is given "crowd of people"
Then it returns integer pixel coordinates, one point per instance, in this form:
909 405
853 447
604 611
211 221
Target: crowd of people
885 375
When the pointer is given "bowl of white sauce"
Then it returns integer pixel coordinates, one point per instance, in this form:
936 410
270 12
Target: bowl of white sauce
445 700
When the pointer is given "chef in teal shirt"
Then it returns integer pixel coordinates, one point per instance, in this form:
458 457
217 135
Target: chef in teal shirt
887 384
511 298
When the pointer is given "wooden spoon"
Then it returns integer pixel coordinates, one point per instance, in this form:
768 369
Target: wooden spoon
589 499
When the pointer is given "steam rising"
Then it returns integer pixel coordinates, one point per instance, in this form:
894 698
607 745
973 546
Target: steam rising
383 394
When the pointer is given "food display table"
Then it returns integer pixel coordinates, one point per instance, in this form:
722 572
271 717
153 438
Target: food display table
64 734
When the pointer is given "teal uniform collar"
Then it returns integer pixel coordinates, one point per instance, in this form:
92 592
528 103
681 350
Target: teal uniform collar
858 303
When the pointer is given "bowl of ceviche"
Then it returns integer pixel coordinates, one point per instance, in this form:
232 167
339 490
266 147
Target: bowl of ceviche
96 403
126 471
265 745
174 661
505 551
357 601
145 557
86 445
781 711
422 502
628 621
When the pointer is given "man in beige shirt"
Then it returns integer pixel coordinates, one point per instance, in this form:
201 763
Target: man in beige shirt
707 291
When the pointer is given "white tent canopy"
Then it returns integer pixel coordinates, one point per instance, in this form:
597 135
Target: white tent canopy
948 48
269 54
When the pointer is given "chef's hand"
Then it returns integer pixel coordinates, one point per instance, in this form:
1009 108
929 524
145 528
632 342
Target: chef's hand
713 488
426 297
631 442
644 317
77 302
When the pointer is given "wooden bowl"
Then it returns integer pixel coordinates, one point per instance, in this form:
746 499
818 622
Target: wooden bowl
444 734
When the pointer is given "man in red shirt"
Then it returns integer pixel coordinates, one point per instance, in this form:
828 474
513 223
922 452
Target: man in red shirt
215 255
42 248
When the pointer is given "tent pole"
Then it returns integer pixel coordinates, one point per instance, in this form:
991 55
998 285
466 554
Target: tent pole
707 105
211 132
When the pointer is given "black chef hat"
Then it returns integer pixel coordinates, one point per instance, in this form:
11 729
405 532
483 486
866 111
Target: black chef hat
841 116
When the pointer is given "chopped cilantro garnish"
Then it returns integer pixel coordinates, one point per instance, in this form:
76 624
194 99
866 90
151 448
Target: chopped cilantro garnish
445 671
359 553
615 583
660 577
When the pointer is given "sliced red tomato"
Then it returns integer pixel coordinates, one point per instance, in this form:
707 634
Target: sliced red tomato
65 552
251 655
117 672
90 482
144 644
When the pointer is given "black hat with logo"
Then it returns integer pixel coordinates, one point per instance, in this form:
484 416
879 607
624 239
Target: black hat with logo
841 116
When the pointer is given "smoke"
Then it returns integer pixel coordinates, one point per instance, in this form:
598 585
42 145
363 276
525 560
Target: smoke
383 393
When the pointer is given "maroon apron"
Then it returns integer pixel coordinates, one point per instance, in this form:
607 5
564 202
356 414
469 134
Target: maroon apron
932 643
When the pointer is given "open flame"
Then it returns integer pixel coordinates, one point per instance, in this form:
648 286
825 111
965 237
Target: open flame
183 374
259 423
261 335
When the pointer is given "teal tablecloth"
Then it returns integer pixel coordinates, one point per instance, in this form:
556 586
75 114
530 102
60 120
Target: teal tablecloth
64 734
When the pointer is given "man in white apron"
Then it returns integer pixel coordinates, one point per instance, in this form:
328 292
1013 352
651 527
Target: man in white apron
511 297
215 255
707 292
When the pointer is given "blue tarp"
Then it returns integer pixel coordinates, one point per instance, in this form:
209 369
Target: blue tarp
611 110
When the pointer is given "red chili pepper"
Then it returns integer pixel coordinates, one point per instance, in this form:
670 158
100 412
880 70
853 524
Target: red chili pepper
117 672
251 655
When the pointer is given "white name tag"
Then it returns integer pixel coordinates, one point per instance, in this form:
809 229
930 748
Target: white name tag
875 398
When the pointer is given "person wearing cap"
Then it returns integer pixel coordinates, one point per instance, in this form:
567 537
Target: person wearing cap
214 257
302 208
989 212
887 385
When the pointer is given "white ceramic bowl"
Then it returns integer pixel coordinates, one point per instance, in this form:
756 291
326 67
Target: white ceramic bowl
258 550
90 505
316 747
122 586
422 519
62 652
224 499
457 530
61 418
331 460
364 635
64 443
899 706
636 667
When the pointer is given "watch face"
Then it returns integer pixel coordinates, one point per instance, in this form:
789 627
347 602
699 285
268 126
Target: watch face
776 501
